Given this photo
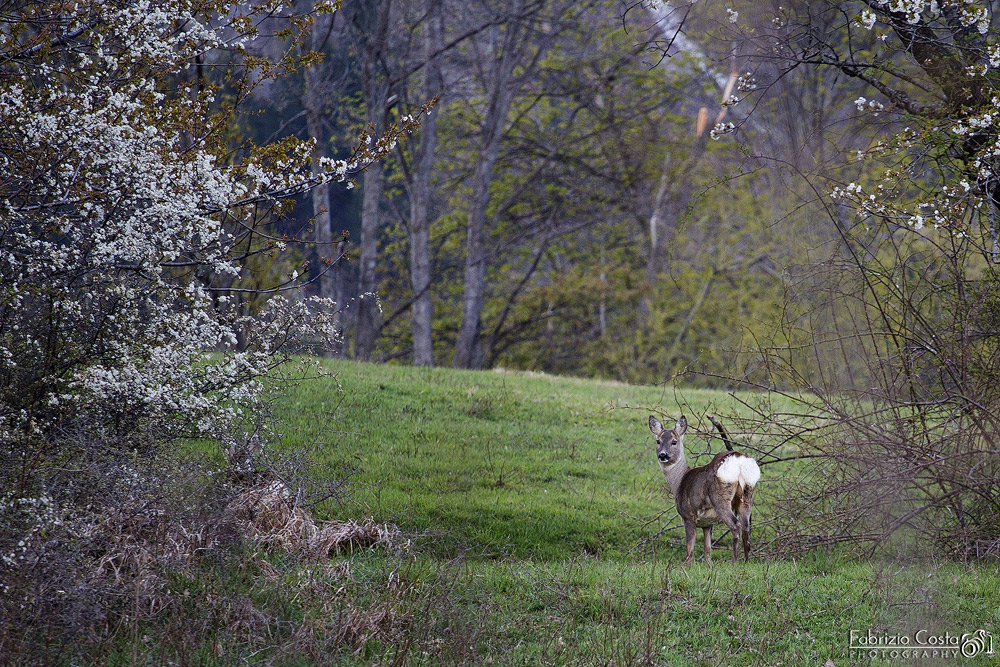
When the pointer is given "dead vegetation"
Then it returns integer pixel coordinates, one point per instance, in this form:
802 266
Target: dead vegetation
270 516
147 561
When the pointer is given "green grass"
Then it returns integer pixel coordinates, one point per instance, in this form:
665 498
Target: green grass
541 534
600 611
497 463
536 505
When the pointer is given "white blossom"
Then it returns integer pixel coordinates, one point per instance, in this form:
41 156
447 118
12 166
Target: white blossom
118 216
721 129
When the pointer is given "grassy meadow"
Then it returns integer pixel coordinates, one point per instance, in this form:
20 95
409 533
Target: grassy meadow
541 532
493 464
536 529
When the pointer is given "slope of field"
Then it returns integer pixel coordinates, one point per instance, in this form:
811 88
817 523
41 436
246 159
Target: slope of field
542 533
501 463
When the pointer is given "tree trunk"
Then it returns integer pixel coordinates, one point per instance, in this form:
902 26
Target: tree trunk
672 198
373 24
314 97
673 355
421 311
602 308
322 232
468 352
656 240
368 307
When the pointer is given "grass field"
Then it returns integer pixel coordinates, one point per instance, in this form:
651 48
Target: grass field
538 535
495 464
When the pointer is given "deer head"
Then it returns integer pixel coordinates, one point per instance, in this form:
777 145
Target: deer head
669 444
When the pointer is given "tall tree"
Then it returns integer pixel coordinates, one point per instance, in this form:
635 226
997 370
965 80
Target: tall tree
421 310
370 19
518 44
315 98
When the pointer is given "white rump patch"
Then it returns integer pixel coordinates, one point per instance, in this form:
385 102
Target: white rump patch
729 471
750 471
739 468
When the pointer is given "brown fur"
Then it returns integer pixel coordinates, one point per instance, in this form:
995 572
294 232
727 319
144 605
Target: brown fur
702 499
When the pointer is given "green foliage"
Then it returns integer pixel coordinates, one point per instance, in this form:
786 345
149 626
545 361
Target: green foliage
580 153
567 280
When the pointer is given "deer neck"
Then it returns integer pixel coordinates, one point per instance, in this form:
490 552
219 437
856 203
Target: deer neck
675 473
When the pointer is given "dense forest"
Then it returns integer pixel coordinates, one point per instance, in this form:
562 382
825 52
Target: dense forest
588 193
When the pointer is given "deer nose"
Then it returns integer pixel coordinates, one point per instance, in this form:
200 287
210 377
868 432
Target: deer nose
662 456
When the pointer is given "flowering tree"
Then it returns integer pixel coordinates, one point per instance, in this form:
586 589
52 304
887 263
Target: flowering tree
930 67
126 217
904 315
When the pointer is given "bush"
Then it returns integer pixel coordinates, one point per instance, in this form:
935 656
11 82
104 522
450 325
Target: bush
128 223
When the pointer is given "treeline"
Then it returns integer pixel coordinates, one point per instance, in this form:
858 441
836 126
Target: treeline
566 205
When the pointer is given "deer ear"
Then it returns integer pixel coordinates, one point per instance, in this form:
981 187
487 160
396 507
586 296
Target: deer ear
655 426
682 425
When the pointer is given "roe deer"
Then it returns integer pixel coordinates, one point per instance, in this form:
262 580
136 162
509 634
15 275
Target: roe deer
720 492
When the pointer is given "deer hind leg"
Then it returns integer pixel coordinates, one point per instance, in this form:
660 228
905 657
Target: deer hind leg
744 516
737 531
689 534
728 517
707 533
725 508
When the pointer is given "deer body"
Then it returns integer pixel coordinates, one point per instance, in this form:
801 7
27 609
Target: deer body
720 492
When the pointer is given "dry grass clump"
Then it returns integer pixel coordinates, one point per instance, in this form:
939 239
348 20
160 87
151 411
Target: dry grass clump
271 516
136 544
356 625
133 558
338 536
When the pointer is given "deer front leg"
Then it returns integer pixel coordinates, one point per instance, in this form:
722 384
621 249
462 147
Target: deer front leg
707 534
689 534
